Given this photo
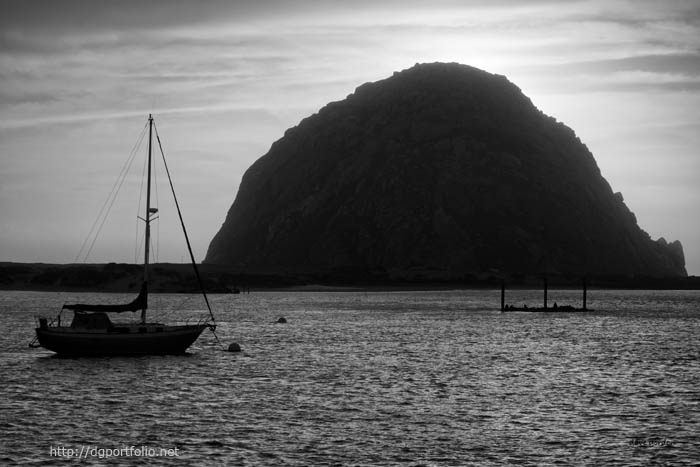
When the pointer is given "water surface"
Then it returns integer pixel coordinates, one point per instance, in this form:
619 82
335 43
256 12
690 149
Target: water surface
371 378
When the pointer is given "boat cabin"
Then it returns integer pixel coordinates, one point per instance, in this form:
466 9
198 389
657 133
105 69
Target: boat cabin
82 320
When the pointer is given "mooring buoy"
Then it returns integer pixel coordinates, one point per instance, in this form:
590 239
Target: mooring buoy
282 319
234 347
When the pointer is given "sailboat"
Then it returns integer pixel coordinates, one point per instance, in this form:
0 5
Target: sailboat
91 331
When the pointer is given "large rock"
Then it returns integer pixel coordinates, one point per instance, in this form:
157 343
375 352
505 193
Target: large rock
439 171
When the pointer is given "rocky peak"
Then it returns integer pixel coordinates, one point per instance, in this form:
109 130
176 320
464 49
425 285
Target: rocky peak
439 171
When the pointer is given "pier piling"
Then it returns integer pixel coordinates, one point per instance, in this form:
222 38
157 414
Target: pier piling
503 295
545 292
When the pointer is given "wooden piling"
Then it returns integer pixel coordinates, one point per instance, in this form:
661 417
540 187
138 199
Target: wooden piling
503 295
545 292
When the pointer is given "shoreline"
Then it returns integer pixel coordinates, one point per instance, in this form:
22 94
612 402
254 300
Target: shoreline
180 278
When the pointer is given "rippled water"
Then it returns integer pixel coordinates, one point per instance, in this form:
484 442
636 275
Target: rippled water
376 378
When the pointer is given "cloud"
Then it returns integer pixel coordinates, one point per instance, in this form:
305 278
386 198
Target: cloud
100 15
227 78
681 63
663 73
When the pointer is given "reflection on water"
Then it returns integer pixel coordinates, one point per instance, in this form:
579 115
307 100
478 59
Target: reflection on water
375 378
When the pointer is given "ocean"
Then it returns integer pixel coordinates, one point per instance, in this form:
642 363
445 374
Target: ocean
368 378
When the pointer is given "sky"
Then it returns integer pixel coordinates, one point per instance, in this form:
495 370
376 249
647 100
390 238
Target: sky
224 80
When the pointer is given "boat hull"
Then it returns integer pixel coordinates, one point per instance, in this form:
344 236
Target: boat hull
164 340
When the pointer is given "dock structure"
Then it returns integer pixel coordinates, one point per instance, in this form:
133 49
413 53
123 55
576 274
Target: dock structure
545 307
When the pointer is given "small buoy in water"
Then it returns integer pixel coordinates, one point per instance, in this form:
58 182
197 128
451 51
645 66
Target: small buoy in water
282 319
234 347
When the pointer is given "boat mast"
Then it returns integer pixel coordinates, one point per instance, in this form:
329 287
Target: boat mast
147 218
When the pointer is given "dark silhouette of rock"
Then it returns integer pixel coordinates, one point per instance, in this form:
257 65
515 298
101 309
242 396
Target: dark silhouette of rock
439 171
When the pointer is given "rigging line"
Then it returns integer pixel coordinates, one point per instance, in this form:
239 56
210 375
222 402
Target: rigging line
154 255
137 245
181 305
156 246
111 193
122 173
213 331
104 219
184 230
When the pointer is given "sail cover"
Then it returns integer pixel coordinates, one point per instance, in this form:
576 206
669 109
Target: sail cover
139 303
